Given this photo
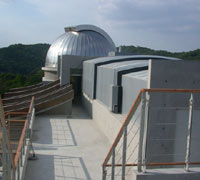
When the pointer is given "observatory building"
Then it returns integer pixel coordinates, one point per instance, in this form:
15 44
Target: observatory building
77 44
97 115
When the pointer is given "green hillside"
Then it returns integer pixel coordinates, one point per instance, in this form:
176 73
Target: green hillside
190 55
20 65
22 59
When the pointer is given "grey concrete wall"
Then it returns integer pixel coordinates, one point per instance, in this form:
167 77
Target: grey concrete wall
50 76
88 79
107 78
167 124
131 84
68 62
108 122
87 104
89 69
105 81
65 63
174 74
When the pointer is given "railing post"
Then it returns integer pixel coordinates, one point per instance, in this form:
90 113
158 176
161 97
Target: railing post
146 128
18 170
187 156
13 173
124 153
23 145
9 166
143 100
4 163
104 173
113 165
21 157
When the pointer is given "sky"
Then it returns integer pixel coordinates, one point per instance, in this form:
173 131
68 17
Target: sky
172 25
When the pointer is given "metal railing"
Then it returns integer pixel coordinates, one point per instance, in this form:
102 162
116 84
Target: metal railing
158 131
44 102
7 159
32 90
16 169
26 137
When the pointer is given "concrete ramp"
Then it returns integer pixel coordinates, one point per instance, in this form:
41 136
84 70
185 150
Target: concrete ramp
67 148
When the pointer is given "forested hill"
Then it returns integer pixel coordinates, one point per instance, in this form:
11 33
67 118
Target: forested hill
190 55
22 59
28 59
20 65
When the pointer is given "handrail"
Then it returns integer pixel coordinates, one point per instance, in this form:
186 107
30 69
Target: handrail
119 135
31 105
28 96
17 121
38 98
127 120
6 135
51 98
20 144
40 88
156 164
19 148
25 88
172 90
15 113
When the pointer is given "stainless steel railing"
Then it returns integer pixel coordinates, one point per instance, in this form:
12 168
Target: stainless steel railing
158 131
14 167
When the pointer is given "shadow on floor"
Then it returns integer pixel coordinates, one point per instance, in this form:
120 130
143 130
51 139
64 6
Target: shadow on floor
41 169
53 130
54 167
70 168
78 112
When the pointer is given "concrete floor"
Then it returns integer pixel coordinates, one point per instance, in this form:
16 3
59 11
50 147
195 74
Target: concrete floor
67 148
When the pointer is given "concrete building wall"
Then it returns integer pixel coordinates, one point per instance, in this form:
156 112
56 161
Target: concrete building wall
108 122
105 81
88 79
90 69
50 74
87 104
67 63
168 114
62 71
108 81
132 84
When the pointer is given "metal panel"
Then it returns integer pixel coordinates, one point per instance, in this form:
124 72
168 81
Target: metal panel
107 77
91 76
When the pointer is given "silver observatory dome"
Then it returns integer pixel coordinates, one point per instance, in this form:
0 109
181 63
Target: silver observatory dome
84 40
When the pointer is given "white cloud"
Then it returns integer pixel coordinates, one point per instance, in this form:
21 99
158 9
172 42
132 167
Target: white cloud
68 8
153 23
151 14
136 22
5 2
